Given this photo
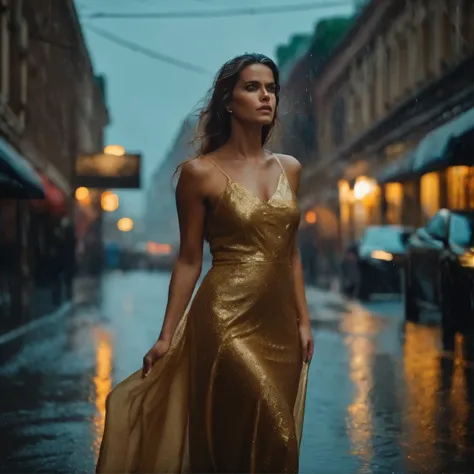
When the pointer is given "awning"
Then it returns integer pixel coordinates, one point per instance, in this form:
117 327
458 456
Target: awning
398 171
54 201
18 175
432 151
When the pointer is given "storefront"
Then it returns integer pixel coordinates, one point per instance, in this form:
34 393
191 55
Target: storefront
18 182
438 172
35 242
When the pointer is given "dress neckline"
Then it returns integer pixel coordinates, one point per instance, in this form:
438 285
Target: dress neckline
250 193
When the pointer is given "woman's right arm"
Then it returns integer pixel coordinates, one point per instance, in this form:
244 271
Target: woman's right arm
187 269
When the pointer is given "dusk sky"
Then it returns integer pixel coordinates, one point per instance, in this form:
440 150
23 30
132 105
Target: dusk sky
148 98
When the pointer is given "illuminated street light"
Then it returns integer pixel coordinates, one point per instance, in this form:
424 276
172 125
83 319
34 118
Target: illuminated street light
125 224
311 217
363 187
82 194
109 201
116 150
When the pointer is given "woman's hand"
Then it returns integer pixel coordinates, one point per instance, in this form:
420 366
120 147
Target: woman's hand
307 342
159 349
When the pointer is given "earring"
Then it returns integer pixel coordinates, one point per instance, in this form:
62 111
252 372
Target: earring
229 110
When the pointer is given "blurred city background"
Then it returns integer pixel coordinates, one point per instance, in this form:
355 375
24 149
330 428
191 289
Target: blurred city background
98 105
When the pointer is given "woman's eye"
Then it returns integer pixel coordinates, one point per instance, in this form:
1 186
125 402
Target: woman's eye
251 87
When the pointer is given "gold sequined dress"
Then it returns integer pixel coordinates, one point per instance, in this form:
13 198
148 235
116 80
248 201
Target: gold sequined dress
229 395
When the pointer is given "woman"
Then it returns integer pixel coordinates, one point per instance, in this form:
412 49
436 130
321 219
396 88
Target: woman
223 387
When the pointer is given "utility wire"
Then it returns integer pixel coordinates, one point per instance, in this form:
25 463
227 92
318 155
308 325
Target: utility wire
223 13
137 48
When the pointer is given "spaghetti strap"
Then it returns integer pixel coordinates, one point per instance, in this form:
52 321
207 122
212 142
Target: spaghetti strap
279 162
219 168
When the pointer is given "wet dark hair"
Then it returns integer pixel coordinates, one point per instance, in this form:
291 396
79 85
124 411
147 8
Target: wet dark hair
214 119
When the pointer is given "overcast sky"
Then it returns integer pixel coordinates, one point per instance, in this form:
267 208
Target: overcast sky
147 98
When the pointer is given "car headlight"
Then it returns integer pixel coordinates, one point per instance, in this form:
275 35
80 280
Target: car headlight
381 255
466 260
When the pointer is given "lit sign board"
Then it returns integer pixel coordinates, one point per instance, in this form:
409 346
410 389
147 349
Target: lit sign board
108 171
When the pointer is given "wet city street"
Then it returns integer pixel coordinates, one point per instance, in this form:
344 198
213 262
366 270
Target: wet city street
381 398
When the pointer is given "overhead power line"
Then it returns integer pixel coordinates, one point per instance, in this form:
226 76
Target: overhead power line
224 13
137 48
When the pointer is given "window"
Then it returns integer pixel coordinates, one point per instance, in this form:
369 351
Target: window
338 121
403 67
428 46
448 34
430 195
394 202
460 187
14 27
388 72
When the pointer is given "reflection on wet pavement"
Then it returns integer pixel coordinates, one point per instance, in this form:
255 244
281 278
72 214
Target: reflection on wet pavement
102 383
381 396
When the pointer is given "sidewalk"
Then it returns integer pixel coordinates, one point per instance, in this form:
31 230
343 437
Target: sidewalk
325 305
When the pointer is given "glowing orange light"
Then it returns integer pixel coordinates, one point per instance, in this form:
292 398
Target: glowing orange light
109 201
311 217
82 193
125 224
158 249
116 150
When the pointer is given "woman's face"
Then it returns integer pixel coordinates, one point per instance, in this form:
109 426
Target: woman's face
254 96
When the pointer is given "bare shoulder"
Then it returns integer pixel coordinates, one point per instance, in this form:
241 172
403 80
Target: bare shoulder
194 174
291 165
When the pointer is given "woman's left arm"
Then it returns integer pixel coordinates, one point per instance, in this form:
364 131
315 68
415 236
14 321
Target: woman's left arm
293 171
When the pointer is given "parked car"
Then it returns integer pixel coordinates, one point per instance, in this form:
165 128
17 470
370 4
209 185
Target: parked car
380 256
440 272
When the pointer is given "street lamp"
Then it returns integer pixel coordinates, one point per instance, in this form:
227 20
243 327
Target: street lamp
125 224
363 187
109 201
83 196
311 217
82 193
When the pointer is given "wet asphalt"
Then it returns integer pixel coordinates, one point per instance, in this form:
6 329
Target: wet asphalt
382 398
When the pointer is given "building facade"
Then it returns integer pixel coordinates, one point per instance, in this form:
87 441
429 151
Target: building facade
403 70
160 209
52 109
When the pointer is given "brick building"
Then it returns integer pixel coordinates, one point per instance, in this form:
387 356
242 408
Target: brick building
52 108
404 69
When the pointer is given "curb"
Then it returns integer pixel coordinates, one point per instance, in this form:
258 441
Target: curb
49 318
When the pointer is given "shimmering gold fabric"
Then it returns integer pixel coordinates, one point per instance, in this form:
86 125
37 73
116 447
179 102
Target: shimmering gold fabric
229 396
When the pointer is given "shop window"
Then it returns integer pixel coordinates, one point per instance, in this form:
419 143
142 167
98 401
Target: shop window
394 203
429 195
460 187
367 204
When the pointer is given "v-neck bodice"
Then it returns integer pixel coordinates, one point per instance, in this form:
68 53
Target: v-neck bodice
244 228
